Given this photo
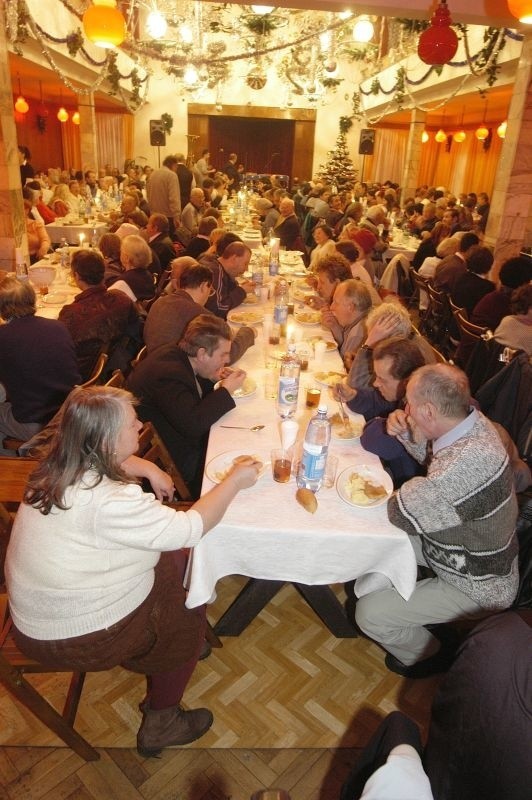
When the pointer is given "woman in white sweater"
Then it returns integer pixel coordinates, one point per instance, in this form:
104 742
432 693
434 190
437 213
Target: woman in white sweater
94 567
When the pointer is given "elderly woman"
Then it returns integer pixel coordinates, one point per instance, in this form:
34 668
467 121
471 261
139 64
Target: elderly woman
136 257
325 245
95 566
38 240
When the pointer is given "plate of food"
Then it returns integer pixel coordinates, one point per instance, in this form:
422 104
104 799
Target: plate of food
250 317
54 298
307 316
218 467
364 486
329 379
248 388
345 431
330 346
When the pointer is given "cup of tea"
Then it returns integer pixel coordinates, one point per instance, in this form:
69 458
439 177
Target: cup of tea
313 396
281 465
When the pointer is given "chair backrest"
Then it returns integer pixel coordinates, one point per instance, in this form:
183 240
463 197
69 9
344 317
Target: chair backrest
97 371
117 379
152 448
468 330
143 352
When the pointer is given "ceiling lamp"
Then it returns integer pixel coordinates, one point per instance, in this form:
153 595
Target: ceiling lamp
441 136
482 133
104 24
363 30
501 130
190 76
459 136
156 24
522 9
261 11
439 43
62 114
424 137
76 119
21 104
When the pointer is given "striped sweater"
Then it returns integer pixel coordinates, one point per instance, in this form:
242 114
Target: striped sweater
465 512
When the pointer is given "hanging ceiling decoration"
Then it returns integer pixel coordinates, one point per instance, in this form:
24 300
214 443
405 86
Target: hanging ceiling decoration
441 136
104 24
501 130
425 137
482 133
76 119
62 114
21 104
522 9
438 43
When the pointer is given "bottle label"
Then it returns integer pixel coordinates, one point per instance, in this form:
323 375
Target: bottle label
280 314
288 390
313 461
274 267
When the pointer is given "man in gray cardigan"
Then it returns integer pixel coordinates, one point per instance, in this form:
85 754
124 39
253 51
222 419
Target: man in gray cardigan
460 519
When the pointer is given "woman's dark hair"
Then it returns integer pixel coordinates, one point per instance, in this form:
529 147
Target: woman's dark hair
522 299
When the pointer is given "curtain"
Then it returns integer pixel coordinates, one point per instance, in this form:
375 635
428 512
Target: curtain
110 138
388 160
466 167
70 145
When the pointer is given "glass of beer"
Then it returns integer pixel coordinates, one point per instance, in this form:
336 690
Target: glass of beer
313 396
281 465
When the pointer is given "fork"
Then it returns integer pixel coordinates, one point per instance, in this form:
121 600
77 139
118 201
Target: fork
343 414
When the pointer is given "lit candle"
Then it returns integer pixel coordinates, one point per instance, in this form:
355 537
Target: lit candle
81 239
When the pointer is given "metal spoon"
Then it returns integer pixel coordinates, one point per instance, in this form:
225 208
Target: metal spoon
243 427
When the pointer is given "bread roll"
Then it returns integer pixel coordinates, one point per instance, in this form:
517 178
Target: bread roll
307 499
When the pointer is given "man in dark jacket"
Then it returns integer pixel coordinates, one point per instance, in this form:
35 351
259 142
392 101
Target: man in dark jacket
176 387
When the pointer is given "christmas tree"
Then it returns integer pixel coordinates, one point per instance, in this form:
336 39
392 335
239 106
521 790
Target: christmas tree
339 169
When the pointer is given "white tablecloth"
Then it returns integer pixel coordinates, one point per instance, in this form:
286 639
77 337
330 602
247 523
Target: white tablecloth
56 231
266 534
60 292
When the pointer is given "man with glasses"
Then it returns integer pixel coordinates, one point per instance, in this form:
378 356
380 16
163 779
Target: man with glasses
168 317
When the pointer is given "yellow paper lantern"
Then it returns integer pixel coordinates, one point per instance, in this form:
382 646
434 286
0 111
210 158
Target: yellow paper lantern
482 133
425 137
104 24
21 105
522 9
459 137
501 130
441 136
62 114
76 119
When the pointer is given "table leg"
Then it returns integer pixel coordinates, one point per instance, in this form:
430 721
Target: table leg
255 595
324 602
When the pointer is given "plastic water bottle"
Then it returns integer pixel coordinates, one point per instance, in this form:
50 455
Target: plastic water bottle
21 268
288 383
257 276
64 256
315 448
281 298
95 239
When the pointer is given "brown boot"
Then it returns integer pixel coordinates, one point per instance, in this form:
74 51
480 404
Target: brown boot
171 726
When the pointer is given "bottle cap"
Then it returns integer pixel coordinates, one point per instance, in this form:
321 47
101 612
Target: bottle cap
322 408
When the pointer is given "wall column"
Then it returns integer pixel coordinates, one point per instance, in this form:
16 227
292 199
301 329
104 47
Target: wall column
12 221
410 180
510 221
87 132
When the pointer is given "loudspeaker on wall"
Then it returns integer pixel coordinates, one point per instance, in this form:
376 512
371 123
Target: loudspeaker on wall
367 142
157 133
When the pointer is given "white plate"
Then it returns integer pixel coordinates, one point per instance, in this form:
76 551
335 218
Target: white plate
219 466
307 317
250 317
290 255
330 345
328 378
353 433
374 474
248 388
55 299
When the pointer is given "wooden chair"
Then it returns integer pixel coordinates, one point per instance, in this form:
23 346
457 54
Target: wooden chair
469 334
14 664
152 448
97 372
436 323
117 379
143 352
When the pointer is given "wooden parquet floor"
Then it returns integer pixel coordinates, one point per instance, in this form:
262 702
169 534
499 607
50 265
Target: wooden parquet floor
289 702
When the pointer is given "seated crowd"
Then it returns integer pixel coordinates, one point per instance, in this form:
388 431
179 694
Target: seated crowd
158 291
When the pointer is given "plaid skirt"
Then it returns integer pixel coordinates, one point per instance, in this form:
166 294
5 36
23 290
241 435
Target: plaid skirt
159 636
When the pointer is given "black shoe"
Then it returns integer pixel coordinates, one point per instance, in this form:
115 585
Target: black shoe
440 662
206 650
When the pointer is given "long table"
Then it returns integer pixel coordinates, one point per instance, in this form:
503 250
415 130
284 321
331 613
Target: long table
266 536
71 232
